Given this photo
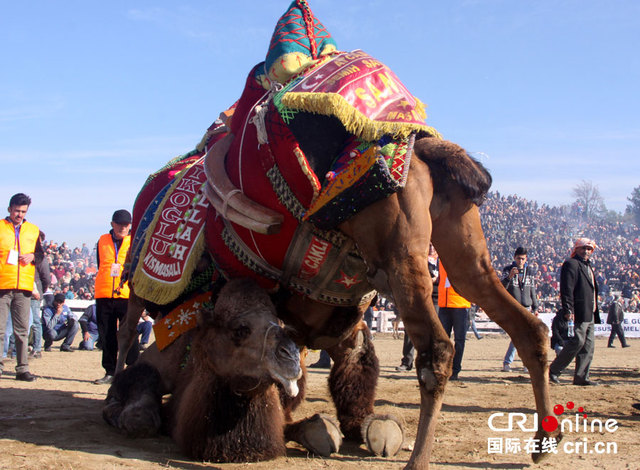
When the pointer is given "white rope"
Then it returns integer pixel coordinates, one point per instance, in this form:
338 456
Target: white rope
262 102
225 203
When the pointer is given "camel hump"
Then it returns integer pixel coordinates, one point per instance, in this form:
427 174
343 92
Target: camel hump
450 162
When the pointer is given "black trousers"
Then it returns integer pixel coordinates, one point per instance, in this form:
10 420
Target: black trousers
616 329
108 313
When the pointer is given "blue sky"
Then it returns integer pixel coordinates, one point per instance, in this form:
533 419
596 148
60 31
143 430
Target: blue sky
94 96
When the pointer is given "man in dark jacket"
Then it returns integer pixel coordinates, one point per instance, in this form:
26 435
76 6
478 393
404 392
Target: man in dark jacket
579 297
615 319
518 280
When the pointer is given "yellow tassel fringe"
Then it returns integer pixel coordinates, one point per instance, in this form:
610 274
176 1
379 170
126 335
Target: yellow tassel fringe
356 123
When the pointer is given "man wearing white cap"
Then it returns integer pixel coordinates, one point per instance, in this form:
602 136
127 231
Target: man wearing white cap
579 297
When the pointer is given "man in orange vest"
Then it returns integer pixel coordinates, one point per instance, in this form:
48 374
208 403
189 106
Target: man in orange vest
111 294
453 313
19 243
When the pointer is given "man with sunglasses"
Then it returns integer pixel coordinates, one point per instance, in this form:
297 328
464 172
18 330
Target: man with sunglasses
579 297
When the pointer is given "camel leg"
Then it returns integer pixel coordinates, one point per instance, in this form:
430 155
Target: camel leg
462 248
352 383
353 379
127 331
134 400
393 237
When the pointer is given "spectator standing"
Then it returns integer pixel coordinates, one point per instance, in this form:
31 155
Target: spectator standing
42 279
615 319
579 297
111 292
519 281
84 252
20 251
59 323
472 321
453 314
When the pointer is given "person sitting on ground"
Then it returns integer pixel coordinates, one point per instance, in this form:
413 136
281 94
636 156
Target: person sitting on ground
145 325
58 322
89 325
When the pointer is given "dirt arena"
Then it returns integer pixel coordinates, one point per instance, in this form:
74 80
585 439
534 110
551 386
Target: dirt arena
56 421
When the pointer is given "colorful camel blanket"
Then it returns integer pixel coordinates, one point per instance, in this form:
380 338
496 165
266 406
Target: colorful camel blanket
362 92
303 72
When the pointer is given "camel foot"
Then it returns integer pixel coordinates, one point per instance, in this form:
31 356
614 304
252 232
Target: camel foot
383 434
537 457
319 434
140 418
111 412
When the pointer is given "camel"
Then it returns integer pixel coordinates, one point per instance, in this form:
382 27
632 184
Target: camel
234 383
435 201
440 205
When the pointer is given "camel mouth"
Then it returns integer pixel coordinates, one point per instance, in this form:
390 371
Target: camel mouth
290 385
285 364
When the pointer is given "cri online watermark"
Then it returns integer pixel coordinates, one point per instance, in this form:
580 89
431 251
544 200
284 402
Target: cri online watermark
508 422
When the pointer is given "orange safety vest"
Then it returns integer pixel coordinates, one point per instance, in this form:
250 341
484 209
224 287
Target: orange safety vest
105 283
447 297
17 276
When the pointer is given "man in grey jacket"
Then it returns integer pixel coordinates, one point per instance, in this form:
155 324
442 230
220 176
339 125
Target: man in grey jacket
518 280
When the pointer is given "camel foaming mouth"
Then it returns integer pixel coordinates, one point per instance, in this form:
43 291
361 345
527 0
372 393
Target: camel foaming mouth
290 385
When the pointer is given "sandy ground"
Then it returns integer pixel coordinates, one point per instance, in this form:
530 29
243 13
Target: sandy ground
55 422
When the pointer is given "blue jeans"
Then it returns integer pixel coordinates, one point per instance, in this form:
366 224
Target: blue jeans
89 344
8 336
456 319
144 329
67 332
511 352
36 324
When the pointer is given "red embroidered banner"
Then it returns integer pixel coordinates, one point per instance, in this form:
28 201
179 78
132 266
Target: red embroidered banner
174 240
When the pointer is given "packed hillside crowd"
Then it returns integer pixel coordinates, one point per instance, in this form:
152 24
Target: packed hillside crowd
508 222
548 234
72 270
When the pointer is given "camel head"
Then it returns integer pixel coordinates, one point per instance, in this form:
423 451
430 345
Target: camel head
243 343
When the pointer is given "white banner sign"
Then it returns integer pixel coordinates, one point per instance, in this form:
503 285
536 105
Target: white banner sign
631 324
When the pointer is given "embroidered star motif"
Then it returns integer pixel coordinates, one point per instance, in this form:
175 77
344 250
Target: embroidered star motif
184 317
347 281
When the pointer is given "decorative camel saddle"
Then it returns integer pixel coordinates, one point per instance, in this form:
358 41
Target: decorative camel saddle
249 179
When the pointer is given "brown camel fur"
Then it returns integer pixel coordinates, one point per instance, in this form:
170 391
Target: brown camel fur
226 381
439 204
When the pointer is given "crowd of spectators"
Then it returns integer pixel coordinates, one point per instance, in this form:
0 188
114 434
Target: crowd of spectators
508 222
72 270
548 234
